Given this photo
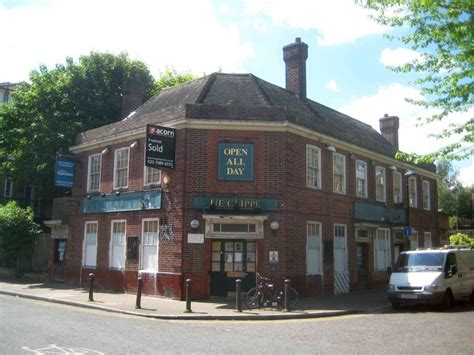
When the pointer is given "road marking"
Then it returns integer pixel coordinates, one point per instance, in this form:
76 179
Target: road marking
54 349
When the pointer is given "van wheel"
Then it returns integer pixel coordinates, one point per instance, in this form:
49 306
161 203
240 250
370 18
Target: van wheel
448 300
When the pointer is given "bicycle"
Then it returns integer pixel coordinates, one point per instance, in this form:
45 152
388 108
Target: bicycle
270 294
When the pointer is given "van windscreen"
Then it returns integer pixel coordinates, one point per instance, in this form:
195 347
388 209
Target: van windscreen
420 262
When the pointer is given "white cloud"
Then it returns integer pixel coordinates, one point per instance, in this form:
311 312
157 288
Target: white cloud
390 99
337 21
466 175
399 56
183 34
331 85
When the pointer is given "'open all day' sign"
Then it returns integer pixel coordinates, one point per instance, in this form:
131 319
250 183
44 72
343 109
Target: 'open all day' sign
235 161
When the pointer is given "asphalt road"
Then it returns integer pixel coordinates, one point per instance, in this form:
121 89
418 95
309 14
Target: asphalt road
28 327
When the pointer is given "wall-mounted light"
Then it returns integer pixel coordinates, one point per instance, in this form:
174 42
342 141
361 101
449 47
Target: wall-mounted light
117 193
352 156
409 173
393 167
274 225
166 180
330 147
88 197
194 223
102 194
134 144
105 151
373 162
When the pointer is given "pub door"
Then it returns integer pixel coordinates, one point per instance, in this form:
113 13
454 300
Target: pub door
232 260
362 265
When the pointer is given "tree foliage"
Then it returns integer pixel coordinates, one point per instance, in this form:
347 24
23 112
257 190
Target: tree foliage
17 229
461 239
453 198
170 78
442 31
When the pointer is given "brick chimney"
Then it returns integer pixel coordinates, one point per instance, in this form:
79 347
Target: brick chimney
295 56
133 94
389 128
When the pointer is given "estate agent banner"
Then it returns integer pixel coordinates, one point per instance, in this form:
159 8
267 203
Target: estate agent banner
160 147
235 162
64 172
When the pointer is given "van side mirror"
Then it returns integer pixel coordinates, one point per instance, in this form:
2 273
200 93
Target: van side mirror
389 270
453 269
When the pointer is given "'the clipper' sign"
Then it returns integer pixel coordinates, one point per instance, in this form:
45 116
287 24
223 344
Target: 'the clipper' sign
160 147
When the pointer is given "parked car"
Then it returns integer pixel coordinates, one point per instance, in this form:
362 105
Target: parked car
434 276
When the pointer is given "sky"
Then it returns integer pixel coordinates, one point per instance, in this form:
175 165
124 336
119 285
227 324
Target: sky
347 55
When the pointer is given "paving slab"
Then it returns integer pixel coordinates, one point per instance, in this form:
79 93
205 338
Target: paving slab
213 309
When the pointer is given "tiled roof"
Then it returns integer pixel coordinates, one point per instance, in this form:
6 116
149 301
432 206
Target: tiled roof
245 97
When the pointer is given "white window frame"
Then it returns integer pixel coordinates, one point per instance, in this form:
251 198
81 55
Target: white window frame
358 178
380 188
111 245
427 240
426 195
315 251
412 193
148 171
8 192
343 157
116 187
397 195
385 250
145 245
346 261
414 238
86 244
313 173
89 173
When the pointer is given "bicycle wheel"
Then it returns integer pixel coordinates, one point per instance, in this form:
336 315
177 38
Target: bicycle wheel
253 299
292 298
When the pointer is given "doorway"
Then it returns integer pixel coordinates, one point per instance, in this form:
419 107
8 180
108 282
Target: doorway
58 262
232 260
362 264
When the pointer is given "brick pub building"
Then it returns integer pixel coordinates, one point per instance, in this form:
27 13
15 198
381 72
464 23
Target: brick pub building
266 180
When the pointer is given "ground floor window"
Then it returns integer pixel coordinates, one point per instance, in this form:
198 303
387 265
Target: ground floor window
340 247
427 243
117 244
150 244
90 244
413 240
382 249
313 249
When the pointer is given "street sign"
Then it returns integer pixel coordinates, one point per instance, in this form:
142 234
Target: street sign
160 147
407 231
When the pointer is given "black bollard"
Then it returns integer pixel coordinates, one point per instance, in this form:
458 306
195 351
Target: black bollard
189 286
238 295
287 296
91 287
138 304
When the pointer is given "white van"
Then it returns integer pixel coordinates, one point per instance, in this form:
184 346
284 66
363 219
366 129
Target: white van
436 276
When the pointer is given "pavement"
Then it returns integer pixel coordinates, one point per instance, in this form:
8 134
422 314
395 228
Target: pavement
364 301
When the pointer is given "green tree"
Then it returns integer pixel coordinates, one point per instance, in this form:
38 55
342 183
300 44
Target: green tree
442 31
461 239
170 78
17 229
453 198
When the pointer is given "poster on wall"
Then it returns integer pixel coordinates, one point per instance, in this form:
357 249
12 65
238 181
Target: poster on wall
160 151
